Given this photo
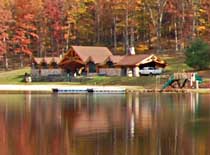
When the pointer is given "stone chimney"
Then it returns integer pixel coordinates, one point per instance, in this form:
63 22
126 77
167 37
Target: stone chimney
132 50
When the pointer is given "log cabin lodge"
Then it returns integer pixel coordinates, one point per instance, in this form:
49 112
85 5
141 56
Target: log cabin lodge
92 61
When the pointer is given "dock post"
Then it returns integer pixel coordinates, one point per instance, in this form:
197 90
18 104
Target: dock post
197 84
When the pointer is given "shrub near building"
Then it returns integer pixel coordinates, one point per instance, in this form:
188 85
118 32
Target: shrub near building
198 55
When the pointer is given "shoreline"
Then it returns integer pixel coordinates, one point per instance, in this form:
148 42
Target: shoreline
48 88
129 89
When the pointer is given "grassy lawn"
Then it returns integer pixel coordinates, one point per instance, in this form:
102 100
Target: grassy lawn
176 63
16 77
13 77
143 81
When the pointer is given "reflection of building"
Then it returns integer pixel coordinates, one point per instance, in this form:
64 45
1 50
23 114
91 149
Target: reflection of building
89 124
140 115
194 101
88 117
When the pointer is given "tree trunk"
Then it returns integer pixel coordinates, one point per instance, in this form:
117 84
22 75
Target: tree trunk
68 37
194 25
182 27
6 65
21 60
157 21
158 33
159 29
176 36
41 38
126 33
98 30
149 40
115 34
5 55
40 48
132 37
98 20
195 5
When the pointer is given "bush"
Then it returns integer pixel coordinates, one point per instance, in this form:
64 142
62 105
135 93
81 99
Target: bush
198 55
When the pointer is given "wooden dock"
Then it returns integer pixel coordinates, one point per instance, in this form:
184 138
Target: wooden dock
102 90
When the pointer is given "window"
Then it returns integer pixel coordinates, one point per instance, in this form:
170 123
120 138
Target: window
110 64
54 65
92 67
44 65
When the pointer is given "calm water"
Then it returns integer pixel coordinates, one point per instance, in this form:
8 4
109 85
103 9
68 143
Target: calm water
132 124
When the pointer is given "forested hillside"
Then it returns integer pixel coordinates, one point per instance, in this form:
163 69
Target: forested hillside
50 27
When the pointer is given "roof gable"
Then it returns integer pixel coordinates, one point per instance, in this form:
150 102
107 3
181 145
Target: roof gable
116 58
132 60
97 54
47 60
155 59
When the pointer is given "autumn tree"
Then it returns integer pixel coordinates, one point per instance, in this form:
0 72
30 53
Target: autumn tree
51 27
5 21
71 12
54 16
156 8
23 28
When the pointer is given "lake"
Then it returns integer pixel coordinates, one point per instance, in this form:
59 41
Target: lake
131 124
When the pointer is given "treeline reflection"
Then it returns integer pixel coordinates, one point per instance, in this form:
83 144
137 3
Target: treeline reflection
132 124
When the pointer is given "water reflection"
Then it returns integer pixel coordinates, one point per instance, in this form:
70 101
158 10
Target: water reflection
132 124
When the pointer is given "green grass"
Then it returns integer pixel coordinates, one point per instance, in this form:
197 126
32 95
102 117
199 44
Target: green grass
13 77
176 64
55 83
143 81
16 77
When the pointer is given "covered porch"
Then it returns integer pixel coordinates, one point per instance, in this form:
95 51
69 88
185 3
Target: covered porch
73 66
132 64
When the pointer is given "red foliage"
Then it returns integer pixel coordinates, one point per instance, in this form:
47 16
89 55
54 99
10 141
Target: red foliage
24 29
5 18
53 12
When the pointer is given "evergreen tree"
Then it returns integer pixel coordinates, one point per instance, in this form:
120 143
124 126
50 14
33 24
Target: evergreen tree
198 54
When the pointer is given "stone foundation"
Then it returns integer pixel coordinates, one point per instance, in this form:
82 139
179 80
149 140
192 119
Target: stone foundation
110 71
46 72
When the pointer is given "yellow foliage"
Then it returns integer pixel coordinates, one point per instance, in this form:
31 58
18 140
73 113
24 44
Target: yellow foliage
153 39
201 28
120 49
142 48
202 11
202 21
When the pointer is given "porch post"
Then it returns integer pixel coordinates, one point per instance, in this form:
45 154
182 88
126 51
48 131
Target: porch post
87 68
136 71
129 72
